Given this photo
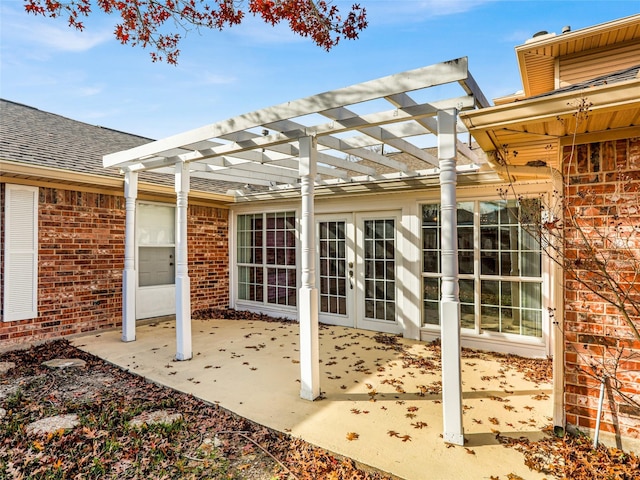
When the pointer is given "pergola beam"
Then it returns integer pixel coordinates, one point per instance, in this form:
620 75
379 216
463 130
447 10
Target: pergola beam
425 77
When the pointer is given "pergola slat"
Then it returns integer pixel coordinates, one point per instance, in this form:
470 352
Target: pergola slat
420 78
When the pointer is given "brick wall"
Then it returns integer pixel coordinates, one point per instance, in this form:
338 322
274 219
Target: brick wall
81 258
603 195
208 238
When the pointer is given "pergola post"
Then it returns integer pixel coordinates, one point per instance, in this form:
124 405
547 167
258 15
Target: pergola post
450 302
309 341
183 285
129 274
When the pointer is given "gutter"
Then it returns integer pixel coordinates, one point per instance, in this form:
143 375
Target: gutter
512 173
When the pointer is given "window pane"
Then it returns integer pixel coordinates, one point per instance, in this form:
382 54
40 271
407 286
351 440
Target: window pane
465 213
490 292
532 323
490 318
431 301
489 238
530 241
430 238
467 316
531 295
466 291
156 266
510 320
531 264
155 224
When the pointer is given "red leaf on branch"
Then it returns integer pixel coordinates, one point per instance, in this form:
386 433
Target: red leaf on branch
144 22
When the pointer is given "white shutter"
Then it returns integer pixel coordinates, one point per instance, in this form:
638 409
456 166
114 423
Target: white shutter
21 253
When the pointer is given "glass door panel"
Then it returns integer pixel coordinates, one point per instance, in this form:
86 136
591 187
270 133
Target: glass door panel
333 267
379 270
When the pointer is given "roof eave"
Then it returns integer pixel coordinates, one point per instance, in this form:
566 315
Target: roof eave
606 97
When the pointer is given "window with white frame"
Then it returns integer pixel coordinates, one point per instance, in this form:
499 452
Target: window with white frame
266 258
499 265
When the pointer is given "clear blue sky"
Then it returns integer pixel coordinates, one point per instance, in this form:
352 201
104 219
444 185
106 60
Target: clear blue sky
91 77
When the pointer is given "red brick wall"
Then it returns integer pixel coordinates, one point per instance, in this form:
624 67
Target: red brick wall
208 238
603 194
81 257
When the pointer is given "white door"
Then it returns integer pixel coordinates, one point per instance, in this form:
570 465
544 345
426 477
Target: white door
155 243
357 271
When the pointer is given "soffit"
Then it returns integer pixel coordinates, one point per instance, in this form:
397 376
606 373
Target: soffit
373 131
537 57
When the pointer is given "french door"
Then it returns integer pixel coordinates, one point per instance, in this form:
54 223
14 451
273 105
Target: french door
357 270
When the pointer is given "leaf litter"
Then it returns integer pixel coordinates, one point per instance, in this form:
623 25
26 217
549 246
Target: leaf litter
211 442
205 441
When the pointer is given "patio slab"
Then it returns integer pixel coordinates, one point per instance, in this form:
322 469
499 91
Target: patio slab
384 389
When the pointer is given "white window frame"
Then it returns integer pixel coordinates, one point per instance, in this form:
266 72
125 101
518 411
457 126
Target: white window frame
20 293
265 305
477 277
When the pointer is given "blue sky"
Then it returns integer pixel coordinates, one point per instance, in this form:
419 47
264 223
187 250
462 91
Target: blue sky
91 77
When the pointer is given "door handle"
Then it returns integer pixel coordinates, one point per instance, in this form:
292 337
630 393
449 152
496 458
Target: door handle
350 278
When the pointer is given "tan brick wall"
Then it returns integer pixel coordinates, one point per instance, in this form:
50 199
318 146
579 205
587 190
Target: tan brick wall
603 194
81 257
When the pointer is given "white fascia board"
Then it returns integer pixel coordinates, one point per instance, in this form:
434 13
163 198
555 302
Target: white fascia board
438 74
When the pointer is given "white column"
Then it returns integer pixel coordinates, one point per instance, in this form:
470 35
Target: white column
129 275
449 303
183 285
309 340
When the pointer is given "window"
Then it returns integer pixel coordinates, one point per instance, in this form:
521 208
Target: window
267 258
499 265
156 245
21 253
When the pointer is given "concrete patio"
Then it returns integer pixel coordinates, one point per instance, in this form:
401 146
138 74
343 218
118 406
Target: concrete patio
383 389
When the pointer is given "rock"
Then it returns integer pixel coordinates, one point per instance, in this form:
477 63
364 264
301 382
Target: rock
152 418
53 424
5 367
7 391
3 413
65 363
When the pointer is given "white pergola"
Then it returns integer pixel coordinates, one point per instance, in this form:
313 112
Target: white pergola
336 138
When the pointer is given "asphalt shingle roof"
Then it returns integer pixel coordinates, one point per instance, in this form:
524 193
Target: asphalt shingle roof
35 137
